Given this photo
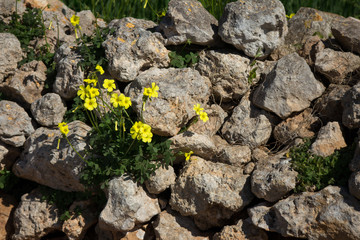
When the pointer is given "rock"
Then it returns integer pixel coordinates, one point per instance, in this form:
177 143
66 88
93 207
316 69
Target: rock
289 87
170 225
328 214
49 110
27 83
260 153
351 105
188 20
15 124
249 168
43 163
247 125
7 207
338 67
243 230
299 126
347 33
69 75
210 192
228 72
7 8
128 205
11 51
354 184
328 106
179 91
35 218
355 162
133 48
8 155
87 22
273 178
329 139
253 26
36 3
312 46
160 180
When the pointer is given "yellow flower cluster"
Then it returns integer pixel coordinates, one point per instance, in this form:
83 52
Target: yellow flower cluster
200 111
188 155
141 131
89 94
152 92
75 20
120 100
64 129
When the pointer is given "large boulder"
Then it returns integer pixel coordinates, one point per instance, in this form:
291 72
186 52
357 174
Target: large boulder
347 33
11 53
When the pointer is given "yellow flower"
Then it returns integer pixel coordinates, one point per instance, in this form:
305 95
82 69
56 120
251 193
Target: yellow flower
90 103
146 137
154 89
188 155
99 69
109 85
82 92
148 92
89 81
203 116
64 129
127 102
117 100
290 16
135 130
141 131
75 20
197 108
93 92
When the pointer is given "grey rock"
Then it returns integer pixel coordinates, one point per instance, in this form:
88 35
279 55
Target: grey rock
289 87
355 162
354 184
210 192
8 155
253 25
331 213
7 8
43 163
128 205
329 139
247 125
188 20
312 46
273 178
160 180
243 230
11 52
347 33
351 105
69 75
179 91
15 124
49 110
338 67
133 48
87 22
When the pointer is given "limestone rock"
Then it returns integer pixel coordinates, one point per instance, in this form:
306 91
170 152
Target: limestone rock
354 184
273 178
133 48
351 106
69 75
210 192
87 22
328 214
8 7
49 110
243 230
188 20
170 225
179 91
27 83
161 180
8 155
43 163
247 125
347 33
15 124
312 46
128 205
329 139
11 51
289 87
254 25
338 67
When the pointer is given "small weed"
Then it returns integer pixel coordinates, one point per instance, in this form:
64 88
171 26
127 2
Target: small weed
252 73
7 180
182 61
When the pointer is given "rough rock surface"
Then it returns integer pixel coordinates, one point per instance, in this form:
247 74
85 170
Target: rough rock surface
273 178
160 180
27 83
43 163
8 7
7 207
331 213
133 48
170 225
247 125
329 139
312 46
69 75
49 110
8 155
87 22
338 67
15 124
128 205
243 230
351 106
354 184
210 192
251 26
179 91
11 53
355 162
289 87
188 20
347 33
